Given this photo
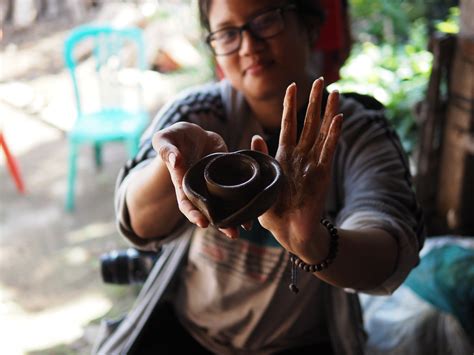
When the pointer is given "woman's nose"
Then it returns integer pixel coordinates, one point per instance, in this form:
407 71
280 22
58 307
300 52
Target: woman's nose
250 44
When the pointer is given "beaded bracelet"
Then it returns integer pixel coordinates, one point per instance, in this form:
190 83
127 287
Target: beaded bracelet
297 262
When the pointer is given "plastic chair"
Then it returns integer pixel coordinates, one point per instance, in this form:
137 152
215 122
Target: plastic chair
117 55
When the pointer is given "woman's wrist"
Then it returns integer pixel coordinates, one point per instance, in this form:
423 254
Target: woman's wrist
318 266
310 244
318 247
323 262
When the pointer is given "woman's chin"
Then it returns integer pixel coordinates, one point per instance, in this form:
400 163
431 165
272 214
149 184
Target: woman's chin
262 88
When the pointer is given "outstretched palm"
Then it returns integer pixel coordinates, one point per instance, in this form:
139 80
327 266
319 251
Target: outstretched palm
306 164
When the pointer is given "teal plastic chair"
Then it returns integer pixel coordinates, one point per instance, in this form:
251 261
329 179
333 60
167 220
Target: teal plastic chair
116 53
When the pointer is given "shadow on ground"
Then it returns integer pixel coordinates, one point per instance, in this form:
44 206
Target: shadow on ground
50 281
51 293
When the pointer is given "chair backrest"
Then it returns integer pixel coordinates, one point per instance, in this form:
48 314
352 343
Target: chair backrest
112 51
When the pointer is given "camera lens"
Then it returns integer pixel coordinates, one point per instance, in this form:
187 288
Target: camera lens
127 266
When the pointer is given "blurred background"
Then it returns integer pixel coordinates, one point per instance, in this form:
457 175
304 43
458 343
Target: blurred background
52 296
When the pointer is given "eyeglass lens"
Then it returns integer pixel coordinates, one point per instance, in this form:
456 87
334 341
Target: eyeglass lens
229 40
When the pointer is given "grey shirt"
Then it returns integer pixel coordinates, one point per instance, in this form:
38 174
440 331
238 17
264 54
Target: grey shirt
233 296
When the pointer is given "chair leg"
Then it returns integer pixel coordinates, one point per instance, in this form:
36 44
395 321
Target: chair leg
98 155
71 178
12 164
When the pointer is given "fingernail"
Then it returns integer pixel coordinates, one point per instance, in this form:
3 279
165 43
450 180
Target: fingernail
202 223
290 94
172 159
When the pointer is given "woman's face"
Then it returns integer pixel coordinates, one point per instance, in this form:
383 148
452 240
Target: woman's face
262 68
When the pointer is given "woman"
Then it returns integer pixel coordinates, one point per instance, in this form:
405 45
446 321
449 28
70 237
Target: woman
233 295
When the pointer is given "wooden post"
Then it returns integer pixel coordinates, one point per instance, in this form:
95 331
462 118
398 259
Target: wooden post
431 117
455 202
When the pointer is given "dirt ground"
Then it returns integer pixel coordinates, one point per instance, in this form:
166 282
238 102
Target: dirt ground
51 293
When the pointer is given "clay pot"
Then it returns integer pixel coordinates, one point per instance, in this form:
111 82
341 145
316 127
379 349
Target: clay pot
233 188
232 177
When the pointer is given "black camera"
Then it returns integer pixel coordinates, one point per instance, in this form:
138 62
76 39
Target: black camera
128 266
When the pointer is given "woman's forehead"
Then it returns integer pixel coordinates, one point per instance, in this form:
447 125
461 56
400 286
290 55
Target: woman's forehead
236 12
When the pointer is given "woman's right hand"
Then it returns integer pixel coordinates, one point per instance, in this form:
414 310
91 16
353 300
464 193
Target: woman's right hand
180 146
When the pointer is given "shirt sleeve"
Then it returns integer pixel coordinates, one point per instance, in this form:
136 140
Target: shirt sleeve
376 189
199 105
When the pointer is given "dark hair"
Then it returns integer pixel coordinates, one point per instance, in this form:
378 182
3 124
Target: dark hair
310 13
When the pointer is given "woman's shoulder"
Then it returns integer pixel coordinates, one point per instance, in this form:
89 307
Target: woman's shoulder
364 114
357 106
215 91
204 98
215 97
211 105
194 97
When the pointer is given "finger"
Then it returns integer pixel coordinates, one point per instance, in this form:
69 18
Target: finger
332 106
174 161
176 167
215 143
166 150
185 206
191 213
288 121
259 144
231 232
330 143
313 116
330 111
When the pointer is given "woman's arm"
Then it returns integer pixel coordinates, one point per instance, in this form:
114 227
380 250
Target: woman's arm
366 256
154 197
151 201
364 260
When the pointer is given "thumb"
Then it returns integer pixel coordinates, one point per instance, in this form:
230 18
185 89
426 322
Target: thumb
169 153
215 143
259 144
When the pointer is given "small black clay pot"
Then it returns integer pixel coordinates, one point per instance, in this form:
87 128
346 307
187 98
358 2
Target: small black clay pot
233 188
232 177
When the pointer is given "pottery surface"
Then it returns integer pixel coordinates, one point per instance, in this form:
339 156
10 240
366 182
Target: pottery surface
233 188
232 177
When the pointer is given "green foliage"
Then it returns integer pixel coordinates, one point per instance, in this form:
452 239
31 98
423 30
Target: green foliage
385 21
390 60
396 75
451 24
390 21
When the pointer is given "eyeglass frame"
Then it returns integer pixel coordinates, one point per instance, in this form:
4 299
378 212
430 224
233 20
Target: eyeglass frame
248 27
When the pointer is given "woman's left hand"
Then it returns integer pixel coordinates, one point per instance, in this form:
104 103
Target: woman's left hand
294 218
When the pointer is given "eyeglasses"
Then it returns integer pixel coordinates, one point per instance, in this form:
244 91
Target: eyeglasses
264 25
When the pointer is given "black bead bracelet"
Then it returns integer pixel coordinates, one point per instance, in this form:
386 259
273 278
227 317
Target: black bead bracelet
297 262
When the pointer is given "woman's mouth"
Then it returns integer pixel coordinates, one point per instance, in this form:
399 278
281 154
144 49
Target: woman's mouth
258 67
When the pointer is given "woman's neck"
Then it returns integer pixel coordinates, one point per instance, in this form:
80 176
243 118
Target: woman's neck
268 112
